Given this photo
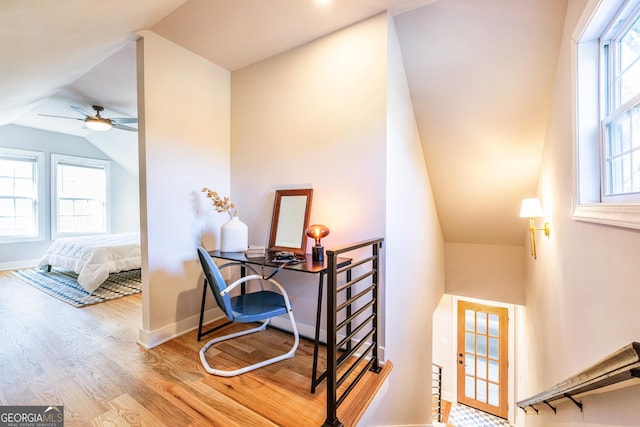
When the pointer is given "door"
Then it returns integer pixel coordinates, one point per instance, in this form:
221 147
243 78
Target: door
482 357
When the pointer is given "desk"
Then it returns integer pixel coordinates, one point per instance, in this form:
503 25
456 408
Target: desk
306 266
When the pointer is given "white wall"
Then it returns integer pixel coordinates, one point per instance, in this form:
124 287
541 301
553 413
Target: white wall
489 272
582 292
415 257
184 134
125 216
314 116
445 344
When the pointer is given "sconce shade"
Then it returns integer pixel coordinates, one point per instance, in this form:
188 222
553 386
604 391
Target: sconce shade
317 232
531 208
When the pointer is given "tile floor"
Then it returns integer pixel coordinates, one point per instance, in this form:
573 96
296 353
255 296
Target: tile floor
464 416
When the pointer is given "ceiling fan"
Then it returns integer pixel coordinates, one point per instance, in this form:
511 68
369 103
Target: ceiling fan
99 123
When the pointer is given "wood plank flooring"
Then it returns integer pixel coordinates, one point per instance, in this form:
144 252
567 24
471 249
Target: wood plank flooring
87 359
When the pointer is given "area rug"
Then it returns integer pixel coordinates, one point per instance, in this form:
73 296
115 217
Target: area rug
62 284
464 416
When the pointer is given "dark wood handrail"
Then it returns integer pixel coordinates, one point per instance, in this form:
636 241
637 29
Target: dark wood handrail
619 366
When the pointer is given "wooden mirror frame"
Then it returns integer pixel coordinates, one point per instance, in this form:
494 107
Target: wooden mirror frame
273 246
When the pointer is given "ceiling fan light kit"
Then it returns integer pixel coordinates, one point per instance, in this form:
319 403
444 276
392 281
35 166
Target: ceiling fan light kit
98 124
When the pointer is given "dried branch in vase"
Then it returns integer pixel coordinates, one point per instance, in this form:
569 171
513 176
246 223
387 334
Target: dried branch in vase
221 204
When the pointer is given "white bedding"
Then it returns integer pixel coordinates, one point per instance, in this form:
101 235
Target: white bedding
93 258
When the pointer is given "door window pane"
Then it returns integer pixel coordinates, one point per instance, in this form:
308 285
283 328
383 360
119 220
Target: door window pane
469 320
494 396
493 371
482 368
482 345
494 325
493 348
481 328
469 387
481 391
469 362
469 343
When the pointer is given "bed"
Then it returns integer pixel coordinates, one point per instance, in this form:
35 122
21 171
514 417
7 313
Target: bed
94 257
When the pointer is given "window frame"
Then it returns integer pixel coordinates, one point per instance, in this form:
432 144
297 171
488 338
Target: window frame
589 203
40 194
80 161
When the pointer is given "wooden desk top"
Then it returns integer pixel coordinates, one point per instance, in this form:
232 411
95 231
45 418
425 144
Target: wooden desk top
305 266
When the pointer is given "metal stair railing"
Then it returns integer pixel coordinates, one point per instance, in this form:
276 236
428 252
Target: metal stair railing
436 392
352 351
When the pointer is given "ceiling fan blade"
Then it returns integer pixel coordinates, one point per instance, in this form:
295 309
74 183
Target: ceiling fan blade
124 127
125 120
61 117
82 111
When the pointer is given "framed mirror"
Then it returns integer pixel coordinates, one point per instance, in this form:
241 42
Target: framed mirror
291 211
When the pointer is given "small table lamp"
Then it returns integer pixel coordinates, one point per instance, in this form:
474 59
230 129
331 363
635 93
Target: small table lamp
317 232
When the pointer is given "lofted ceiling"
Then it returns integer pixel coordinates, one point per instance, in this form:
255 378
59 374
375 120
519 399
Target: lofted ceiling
480 74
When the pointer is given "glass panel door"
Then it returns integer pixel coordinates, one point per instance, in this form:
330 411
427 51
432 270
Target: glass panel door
482 357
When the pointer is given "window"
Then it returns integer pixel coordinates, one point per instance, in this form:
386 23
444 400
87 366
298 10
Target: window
79 195
607 112
620 91
21 195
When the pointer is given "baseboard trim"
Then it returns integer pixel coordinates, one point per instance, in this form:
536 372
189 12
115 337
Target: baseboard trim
149 339
15 265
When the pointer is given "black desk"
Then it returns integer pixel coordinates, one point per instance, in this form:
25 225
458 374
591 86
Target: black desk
305 266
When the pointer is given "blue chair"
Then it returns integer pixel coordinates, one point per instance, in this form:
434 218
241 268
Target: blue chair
259 306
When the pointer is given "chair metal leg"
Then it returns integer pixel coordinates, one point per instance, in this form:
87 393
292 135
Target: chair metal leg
262 327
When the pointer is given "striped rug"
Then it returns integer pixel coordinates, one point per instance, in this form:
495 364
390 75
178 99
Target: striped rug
62 284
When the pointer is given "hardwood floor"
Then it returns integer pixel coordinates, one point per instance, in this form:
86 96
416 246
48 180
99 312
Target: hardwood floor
87 359
446 410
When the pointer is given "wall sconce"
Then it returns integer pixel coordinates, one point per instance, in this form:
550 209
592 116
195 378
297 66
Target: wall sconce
317 232
532 209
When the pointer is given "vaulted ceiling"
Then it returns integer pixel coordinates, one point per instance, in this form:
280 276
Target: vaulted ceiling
480 73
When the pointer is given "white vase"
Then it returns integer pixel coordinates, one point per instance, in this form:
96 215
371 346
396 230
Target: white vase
234 236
